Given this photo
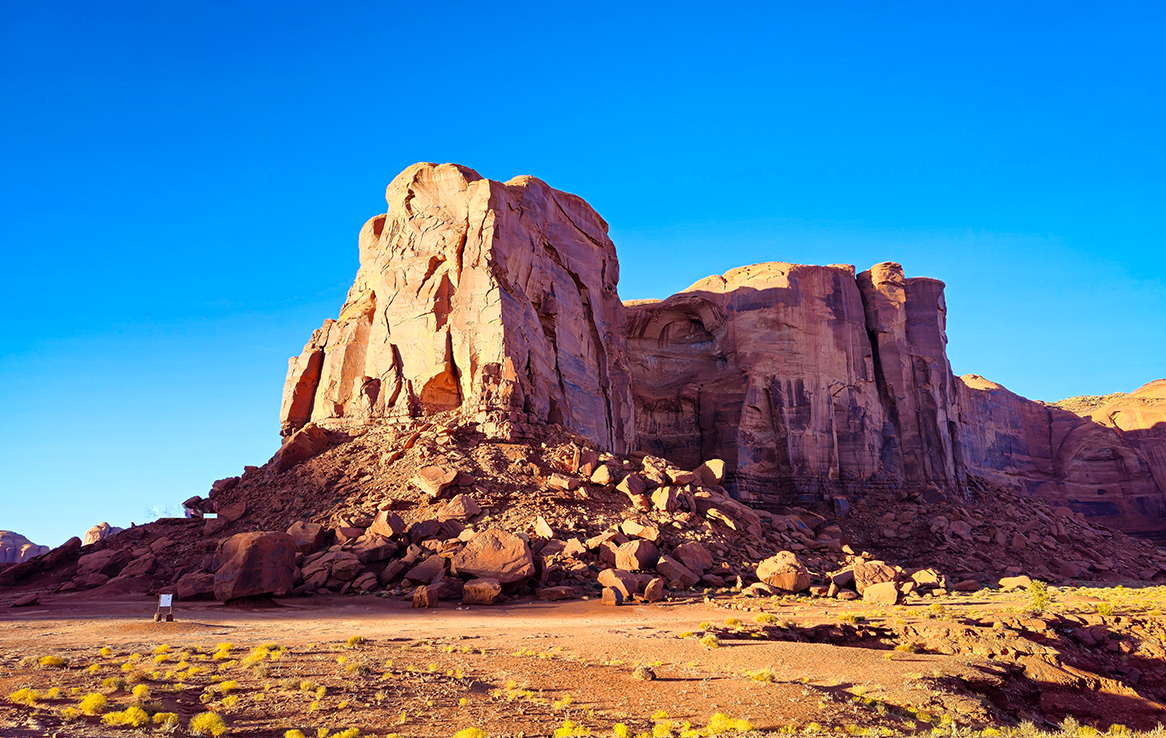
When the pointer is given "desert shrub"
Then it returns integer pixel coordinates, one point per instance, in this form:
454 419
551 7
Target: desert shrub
569 729
230 701
1038 596
207 724
470 733
166 719
51 662
621 730
133 717
25 696
722 723
94 703
295 733
228 686
354 641
141 693
1103 608
765 618
763 675
347 733
106 651
733 622
710 641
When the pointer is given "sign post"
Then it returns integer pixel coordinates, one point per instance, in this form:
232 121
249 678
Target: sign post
166 602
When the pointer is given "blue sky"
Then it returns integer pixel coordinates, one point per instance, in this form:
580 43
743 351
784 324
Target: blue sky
183 184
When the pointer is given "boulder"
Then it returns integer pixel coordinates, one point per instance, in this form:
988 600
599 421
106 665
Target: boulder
557 593
107 561
371 548
677 574
694 556
345 566
602 475
784 571
867 573
1020 582
424 597
255 564
882 593
654 592
636 529
665 499
495 554
461 507
28 600
626 582
484 591
710 473
636 556
433 480
612 597
143 566
428 570
388 524
308 537
366 582
562 481
306 442
199 585
543 529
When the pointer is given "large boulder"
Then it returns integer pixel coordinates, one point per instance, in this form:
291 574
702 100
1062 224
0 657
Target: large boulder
784 571
867 573
309 537
695 556
310 440
252 564
495 554
196 586
496 298
107 561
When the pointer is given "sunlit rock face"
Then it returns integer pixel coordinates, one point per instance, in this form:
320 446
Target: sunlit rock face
808 380
495 300
1107 460
15 548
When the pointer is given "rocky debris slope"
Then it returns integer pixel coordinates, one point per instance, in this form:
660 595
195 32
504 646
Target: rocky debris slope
807 380
15 548
1105 457
497 300
439 511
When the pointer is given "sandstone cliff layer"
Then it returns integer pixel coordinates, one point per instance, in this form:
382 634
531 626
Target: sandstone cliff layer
496 300
808 380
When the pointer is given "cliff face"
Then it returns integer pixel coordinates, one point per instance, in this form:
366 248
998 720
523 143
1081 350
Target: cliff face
496 300
811 381
1107 461
499 301
806 379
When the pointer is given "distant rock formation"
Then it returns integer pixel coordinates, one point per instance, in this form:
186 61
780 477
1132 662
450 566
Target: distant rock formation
497 300
1107 460
808 380
100 532
15 548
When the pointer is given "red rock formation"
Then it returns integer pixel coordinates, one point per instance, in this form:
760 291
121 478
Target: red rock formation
806 379
1107 461
497 300
15 548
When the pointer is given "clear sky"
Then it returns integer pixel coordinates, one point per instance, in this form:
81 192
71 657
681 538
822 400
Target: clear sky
183 184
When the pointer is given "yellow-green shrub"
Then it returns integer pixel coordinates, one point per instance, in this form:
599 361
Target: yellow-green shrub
207 724
94 703
52 662
132 716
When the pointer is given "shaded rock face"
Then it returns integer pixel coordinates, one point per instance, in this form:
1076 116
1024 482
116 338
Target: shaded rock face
15 548
1108 462
252 564
806 379
497 300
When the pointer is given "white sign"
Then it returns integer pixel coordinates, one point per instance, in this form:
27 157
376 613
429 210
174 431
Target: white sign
210 516
166 600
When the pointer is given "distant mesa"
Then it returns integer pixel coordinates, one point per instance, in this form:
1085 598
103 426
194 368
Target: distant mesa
15 548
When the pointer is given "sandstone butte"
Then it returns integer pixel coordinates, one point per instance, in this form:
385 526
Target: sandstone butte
15 548
499 301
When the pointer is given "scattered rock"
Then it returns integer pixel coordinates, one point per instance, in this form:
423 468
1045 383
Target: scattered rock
881 593
255 564
785 572
485 591
636 556
612 596
496 554
424 597
433 480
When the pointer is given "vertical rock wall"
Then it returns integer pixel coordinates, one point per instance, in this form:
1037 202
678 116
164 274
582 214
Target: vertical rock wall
806 379
495 300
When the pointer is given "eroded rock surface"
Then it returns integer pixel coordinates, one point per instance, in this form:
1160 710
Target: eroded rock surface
806 380
15 548
498 300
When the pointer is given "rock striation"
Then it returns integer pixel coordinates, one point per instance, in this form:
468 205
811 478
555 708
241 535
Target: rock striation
15 548
497 300
807 380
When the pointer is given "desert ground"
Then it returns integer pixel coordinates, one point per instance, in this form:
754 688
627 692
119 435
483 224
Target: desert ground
976 663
